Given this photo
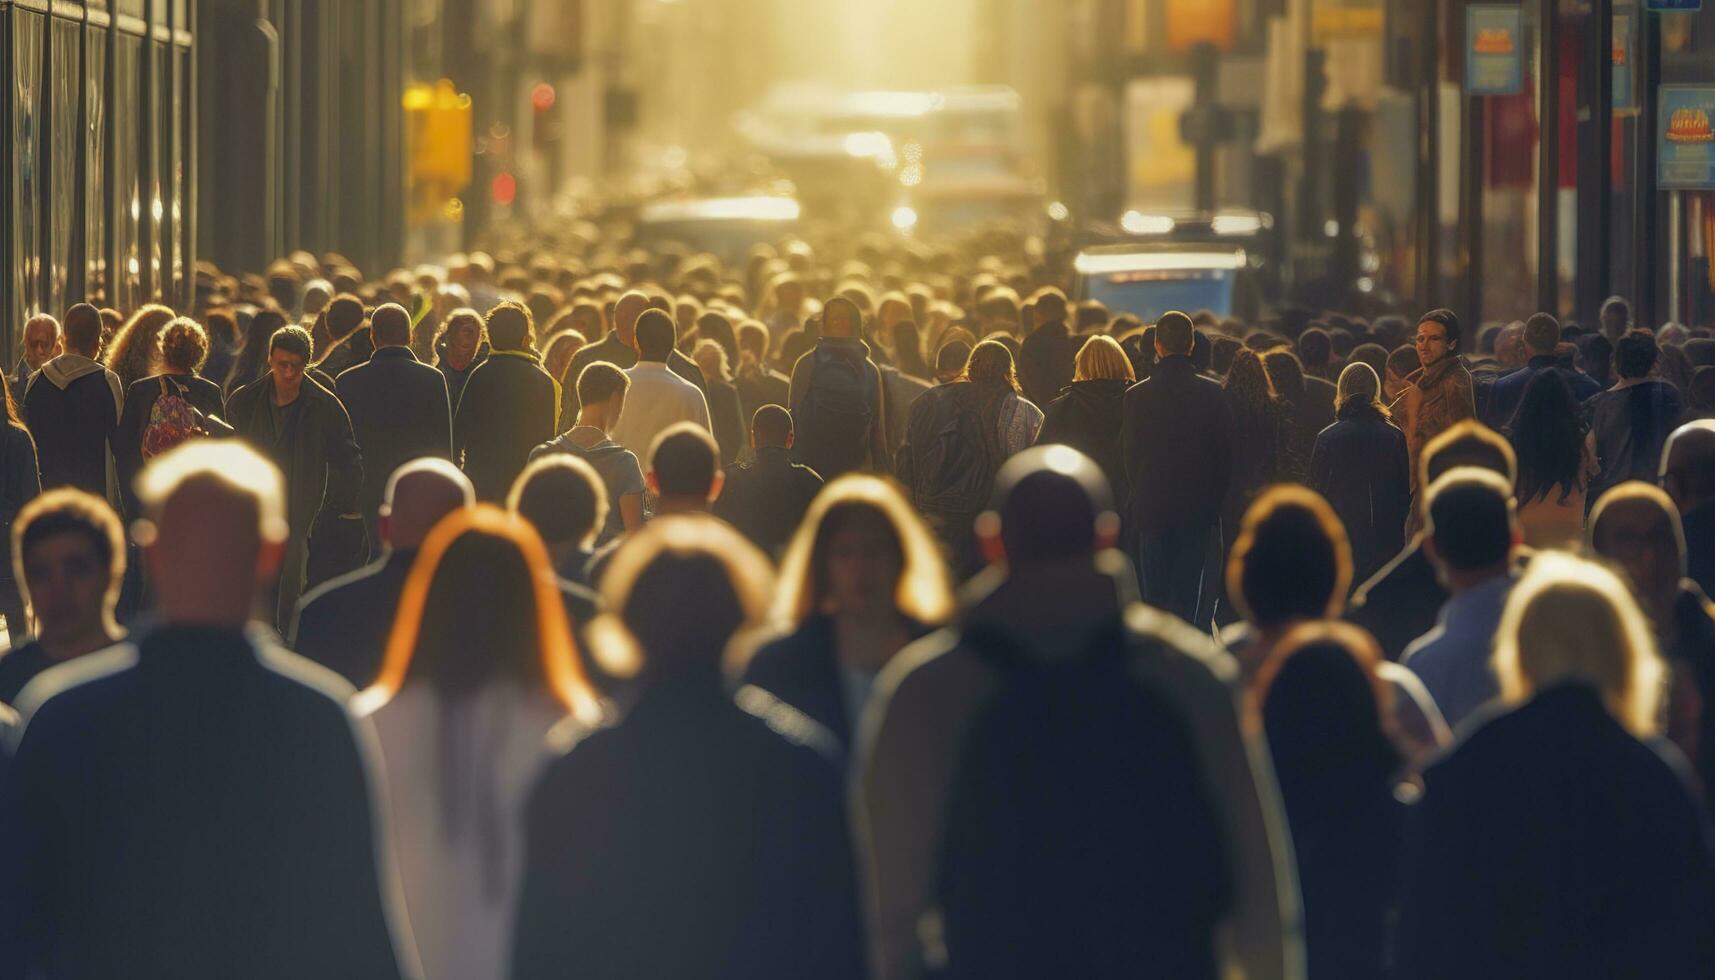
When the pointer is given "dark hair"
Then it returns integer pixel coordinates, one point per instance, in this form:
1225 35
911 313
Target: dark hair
952 356
1291 561
795 343
1403 361
1287 373
1322 713
344 314
655 334
684 459
717 326
991 364
908 351
771 425
292 340
1049 499
1470 519
1635 353
12 416
221 327
1449 322
390 325
1250 391
82 327
1175 333
601 380
1547 436
1222 350
1375 355
68 510
1542 332
1314 347
562 496
1467 443
510 326
252 360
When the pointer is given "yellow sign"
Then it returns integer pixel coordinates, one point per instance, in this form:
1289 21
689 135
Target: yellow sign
1331 19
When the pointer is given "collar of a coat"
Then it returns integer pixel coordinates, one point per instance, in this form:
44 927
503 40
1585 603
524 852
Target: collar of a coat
521 355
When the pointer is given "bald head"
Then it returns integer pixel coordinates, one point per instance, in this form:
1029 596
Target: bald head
1052 504
625 314
1688 464
418 495
1636 526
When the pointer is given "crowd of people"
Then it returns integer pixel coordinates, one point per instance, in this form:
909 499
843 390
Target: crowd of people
594 612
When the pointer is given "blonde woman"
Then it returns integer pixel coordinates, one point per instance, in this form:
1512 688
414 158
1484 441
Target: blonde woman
1560 839
1086 414
861 579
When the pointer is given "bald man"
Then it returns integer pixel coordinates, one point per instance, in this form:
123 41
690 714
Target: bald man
619 348
343 623
1637 527
1688 476
195 802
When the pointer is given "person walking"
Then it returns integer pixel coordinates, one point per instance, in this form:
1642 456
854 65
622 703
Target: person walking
1542 338
20 483
71 561
1556 463
1632 420
302 427
461 347
766 498
72 408
1087 414
1688 475
837 400
1361 465
508 407
398 406
657 398
155 416
1438 394
1045 359
602 390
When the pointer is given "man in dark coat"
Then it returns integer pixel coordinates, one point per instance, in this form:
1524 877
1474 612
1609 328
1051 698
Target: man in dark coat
1055 680
303 428
1047 356
509 406
343 624
766 498
398 408
1631 422
197 803
838 404
619 347
1176 438
1541 338
72 407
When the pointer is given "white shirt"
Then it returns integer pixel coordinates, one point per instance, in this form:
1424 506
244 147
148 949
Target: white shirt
658 398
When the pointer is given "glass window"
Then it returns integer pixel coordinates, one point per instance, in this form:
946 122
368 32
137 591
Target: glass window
95 244
127 264
28 30
63 144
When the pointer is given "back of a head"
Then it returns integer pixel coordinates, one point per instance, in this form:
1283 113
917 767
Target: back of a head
1292 560
1467 443
1325 715
1542 333
184 345
509 326
344 314
656 335
1050 305
1403 361
1053 504
1102 359
991 364
209 505
681 588
83 329
563 497
1375 355
952 357
418 495
683 460
1314 347
1470 519
1358 381
390 326
1571 620
771 426
1174 333
1688 462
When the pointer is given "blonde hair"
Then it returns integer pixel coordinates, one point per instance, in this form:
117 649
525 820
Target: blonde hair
1574 620
1102 359
561 668
231 462
924 592
1359 380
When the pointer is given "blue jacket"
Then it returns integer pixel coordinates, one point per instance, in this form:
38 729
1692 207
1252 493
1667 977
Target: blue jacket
1508 389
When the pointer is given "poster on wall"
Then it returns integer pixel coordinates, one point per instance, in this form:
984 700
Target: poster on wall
1494 60
1624 92
1685 140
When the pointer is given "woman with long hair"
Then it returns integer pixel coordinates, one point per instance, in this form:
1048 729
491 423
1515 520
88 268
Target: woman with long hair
1086 415
726 413
479 668
253 356
20 483
1556 462
1309 404
136 347
701 835
1328 720
1262 434
140 436
1361 465
860 580
956 439
1559 838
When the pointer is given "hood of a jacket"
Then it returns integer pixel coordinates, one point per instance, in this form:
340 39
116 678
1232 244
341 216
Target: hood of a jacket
1100 395
563 443
66 368
851 348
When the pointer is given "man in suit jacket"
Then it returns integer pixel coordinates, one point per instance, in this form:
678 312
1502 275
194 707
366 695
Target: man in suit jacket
398 406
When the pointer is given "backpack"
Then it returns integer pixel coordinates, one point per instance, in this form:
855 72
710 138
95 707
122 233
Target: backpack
834 419
172 420
955 455
1079 839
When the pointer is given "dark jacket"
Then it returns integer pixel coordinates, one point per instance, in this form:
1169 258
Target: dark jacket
1631 425
399 412
1087 416
1176 438
72 408
320 460
826 452
1310 414
1046 361
618 468
1361 466
622 356
802 668
356 348
766 498
205 396
731 428
20 482
1699 526
1264 453
509 407
1508 389
763 386
723 850
1552 844
455 378
1694 646
1399 603
197 805
343 623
